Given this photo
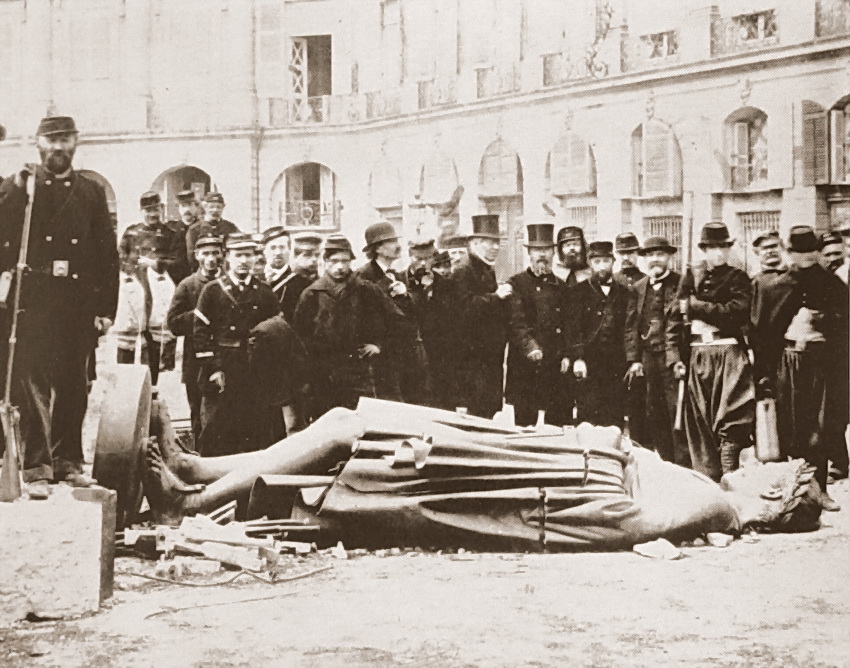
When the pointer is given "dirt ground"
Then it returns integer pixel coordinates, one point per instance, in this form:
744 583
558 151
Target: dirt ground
781 601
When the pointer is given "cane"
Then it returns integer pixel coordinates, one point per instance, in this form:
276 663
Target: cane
11 483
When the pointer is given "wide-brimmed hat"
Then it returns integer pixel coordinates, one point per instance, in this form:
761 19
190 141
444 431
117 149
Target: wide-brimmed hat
337 243
600 249
379 233
626 243
540 235
570 232
149 200
656 244
56 125
273 233
214 197
239 241
485 226
715 234
802 239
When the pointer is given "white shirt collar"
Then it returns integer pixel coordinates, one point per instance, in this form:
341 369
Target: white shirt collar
385 267
236 281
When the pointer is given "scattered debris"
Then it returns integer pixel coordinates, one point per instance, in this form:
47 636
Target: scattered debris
338 551
658 549
719 539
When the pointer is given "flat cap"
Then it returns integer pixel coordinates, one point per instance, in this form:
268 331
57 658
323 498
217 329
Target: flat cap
56 125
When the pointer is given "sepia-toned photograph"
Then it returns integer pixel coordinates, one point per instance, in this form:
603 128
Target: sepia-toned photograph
341 333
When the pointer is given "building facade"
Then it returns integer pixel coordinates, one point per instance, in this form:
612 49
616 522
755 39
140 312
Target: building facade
332 114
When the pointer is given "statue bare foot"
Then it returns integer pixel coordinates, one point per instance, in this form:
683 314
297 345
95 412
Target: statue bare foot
170 498
176 457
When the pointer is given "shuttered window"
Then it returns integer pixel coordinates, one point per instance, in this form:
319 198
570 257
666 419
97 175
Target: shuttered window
815 144
657 164
747 148
669 227
840 144
499 171
572 168
753 224
271 50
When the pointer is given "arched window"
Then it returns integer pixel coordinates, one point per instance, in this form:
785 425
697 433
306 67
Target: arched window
572 168
656 161
839 131
746 146
499 174
304 196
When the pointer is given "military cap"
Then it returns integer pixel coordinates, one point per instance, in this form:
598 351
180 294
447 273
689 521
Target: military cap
568 233
187 197
273 233
600 249
209 240
379 233
802 239
626 243
540 235
715 234
240 242
830 238
337 243
56 125
214 197
765 236
485 226
456 241
655 244
149 200
312 238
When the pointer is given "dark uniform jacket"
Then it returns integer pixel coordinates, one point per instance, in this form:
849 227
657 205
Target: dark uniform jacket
482 316
721 298
72 259
278 362
536 323
405 324
596 324
201 228
164 240
639 331
224 318
629 277
181 319
288 287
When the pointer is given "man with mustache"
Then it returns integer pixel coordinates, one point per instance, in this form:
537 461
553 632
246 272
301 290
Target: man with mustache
304 262
651 302
627 250
572 256
833 254
484 314
69 291
211 224
536 366
596 339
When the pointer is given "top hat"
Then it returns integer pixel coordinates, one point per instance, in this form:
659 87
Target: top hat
802 239
337 243
214 197
540 235
569 232
312 238
715 234
187 197
149 200
655 244
485 226
626 243
600 249
764 236
830 238
56 125
422 245
454 242
378 233
273 233
209 240
239 241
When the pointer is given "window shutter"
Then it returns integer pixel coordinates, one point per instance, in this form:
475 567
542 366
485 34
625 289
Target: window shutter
739 161
559 167
838 161
271 50
815 149
579 173
657 160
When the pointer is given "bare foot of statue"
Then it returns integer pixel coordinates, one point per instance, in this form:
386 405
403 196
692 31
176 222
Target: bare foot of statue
170 498
182 462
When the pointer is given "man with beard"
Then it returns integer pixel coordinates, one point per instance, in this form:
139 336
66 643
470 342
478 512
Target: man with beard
535 379
652 300
484 315
166 254
275 243
768 248
719 407
595 336
627 249
457 249
402 372
211 224
342 321
69 291
797 328
181 318
572 256
228 309
304 262
833 256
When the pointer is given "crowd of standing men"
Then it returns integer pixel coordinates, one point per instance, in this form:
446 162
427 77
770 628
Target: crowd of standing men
280 329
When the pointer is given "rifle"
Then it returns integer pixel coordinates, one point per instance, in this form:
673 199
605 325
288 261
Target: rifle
683 291
10 477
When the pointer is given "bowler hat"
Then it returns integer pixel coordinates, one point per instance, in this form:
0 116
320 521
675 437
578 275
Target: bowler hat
149 200
764 236
312 238
540 235
214 197
273 233
655 244
422 245
456 241
441 258
56 125
378 233
600 249
830 238
187 196
626 243
485 226
337 243
569 232
715 234
239 241
802 239
209 240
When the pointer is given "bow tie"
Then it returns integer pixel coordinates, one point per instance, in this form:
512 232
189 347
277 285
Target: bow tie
606 284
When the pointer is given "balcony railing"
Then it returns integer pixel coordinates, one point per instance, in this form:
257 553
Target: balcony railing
318 214
832 18
746 32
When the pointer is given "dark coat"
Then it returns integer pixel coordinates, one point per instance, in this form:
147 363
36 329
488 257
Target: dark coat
181 320
165 242
629 277
483 317
404 327
596 324
278 362
634 312
291 292
73 260
201 228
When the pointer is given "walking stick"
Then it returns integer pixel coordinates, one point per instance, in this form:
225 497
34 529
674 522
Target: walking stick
684 295
10 477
